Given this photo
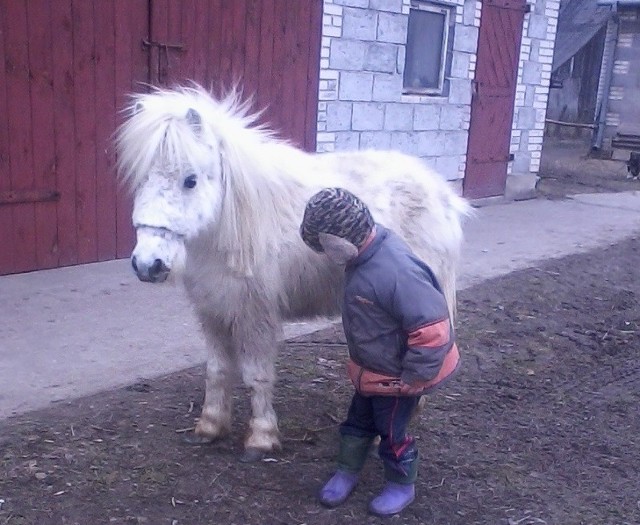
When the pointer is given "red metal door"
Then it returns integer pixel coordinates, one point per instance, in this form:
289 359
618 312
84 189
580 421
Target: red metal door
270 49
494 97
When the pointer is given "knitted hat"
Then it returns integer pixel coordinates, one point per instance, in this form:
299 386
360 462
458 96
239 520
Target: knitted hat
337 212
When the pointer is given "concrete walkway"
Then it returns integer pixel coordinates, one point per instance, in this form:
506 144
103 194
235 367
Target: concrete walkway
76 331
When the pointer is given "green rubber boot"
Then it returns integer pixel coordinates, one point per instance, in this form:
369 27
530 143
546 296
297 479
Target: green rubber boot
353 452
351 458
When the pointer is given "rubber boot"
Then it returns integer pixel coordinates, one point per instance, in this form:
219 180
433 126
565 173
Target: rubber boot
338 488
394 498
351 459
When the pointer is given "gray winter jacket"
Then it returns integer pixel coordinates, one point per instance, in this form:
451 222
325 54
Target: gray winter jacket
396 321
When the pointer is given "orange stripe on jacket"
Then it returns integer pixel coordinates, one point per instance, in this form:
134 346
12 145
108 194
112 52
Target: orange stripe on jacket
371 383
431 336
451 361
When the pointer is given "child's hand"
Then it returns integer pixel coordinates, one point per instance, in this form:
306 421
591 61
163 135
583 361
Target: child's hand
410 390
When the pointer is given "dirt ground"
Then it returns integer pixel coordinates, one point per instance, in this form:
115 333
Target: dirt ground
540 427
567 168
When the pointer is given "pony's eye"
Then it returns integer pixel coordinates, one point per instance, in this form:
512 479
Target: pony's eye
190 182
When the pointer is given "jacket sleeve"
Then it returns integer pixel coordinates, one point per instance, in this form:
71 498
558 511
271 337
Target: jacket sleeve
422 311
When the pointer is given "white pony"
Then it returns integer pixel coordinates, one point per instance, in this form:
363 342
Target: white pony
219 200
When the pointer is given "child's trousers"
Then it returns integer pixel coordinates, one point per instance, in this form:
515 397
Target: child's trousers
387 417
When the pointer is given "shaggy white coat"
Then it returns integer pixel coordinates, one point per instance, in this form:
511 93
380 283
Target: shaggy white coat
234 236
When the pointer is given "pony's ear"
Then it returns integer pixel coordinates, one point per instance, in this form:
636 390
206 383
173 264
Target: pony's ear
194 120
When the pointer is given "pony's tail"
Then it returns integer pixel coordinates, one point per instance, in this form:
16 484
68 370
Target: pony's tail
449 290
460 210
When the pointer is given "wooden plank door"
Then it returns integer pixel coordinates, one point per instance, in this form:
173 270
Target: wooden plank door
269 49
66 68
494 97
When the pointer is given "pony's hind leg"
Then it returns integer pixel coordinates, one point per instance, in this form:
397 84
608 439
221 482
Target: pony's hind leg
257 350
215 419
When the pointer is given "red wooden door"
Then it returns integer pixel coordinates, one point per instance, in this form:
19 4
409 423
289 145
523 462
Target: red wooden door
270 49
65 69
494 96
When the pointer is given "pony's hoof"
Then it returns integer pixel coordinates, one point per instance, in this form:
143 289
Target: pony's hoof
196 439
252 454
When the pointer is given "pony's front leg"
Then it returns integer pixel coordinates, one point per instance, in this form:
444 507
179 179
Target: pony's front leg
215 419
257 355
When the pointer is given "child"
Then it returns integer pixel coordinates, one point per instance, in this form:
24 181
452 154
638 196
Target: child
400 340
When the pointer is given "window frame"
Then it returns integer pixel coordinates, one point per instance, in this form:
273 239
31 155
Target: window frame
441 9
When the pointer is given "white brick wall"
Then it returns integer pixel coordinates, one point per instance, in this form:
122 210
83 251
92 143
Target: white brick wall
534 76
361 101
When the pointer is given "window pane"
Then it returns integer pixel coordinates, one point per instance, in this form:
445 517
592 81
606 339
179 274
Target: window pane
425 39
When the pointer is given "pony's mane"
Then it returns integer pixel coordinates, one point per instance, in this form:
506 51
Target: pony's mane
156 128
257 190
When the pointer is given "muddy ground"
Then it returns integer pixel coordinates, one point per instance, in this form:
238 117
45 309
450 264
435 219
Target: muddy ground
540 427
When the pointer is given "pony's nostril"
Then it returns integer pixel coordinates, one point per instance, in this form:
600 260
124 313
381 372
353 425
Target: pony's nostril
156 268
134 264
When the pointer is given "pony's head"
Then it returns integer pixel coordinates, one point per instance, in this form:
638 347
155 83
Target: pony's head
178 151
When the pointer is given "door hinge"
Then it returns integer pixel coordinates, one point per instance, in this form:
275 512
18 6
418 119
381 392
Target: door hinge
159 62
28 196
163 45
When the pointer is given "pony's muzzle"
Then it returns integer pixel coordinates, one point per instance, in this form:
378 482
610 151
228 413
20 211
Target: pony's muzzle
156 272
